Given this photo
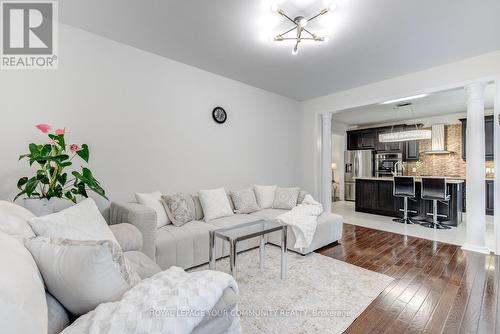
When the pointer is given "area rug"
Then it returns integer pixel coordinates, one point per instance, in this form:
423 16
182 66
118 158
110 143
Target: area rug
320 294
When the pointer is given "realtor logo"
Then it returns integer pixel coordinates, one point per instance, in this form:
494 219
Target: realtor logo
29 35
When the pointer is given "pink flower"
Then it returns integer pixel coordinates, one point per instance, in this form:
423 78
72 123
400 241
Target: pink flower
60 131
43 127
74 148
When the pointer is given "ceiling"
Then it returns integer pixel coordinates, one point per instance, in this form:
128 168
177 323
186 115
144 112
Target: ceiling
369 40
438 104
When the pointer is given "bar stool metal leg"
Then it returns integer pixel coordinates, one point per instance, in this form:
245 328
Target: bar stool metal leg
405 219
435 223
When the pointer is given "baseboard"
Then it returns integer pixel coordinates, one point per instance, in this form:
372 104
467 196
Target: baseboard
477 249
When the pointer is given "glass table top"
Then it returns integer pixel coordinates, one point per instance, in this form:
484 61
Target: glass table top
249 230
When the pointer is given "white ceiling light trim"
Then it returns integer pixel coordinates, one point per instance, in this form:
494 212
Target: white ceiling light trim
299 31
409 135
409 98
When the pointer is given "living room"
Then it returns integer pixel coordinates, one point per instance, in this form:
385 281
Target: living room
201 133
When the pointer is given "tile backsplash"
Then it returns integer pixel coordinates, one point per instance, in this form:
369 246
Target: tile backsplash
450 165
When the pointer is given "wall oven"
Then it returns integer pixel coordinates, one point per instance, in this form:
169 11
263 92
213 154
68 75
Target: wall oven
385 163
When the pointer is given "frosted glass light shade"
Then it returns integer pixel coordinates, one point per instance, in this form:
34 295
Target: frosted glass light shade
409 135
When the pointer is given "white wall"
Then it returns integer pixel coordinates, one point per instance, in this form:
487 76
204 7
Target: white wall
430 80
147 120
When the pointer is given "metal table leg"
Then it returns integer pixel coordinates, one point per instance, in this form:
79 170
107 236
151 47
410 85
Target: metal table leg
232 257
211 251
262 251
283 251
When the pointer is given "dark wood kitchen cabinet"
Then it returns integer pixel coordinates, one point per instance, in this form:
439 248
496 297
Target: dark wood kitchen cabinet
488 137
376 196
388 147
411 151
366 187
361 140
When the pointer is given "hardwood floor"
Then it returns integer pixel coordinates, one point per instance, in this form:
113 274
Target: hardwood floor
438 288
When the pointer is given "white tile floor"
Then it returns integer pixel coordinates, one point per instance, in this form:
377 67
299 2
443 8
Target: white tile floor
454 236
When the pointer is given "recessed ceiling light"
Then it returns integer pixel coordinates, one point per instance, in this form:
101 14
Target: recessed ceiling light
414 97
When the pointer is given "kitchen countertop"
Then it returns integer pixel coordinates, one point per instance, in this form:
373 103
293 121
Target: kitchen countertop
453 180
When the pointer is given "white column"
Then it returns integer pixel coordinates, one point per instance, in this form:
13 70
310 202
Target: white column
496 143
326 162
475 170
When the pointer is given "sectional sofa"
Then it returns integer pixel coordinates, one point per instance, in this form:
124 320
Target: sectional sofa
187 246
26 307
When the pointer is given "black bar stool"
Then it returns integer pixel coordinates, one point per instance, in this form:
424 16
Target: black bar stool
404 186
434 189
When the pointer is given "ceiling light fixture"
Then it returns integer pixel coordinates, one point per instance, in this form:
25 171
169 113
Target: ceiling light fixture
414 97
299 27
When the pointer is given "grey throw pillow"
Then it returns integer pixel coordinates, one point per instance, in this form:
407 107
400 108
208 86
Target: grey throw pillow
286 198
180 208
244 201
82 274
302 195
198 209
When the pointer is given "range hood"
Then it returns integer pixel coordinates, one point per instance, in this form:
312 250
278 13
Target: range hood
438 140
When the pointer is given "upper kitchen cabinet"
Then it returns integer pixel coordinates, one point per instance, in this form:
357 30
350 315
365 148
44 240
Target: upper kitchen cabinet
411 148
488 137
361 140
388 147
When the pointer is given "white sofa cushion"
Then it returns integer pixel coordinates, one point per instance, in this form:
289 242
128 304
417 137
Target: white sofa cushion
153 201
265 195
23 307
215 203
82 221
14 220
82 274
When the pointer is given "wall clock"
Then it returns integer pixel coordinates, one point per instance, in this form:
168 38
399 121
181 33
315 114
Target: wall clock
219 115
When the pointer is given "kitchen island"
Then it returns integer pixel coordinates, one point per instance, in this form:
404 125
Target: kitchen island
375 195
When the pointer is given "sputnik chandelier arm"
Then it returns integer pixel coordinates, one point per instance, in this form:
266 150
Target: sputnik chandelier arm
300 23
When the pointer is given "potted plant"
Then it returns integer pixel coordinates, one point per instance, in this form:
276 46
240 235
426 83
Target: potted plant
55 179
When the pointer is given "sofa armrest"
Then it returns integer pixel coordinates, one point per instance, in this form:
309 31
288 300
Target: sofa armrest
140 216
128 236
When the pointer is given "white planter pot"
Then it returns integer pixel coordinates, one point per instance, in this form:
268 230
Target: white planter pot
43 207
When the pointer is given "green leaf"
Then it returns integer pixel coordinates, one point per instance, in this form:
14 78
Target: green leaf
59 139
84 152
31 186
34 149
62 178
46 150
24 156
22 181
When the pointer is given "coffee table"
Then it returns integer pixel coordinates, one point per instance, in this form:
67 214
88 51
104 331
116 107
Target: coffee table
245 231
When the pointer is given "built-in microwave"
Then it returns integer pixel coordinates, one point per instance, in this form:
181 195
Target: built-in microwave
385 163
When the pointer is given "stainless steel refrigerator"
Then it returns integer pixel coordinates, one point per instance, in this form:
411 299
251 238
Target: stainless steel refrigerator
357 164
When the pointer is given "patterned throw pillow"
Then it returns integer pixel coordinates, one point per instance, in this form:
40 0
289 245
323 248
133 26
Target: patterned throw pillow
302 195
180 208
286 198
244 201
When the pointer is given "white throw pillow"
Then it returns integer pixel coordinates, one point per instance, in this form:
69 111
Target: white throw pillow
82 274
265 195
215 203
82 221
23 307
14 220
153 201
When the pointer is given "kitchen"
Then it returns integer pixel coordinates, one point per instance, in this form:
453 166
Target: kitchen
423 137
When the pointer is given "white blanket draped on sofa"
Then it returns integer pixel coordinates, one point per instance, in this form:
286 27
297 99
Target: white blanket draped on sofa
303 220
171 301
